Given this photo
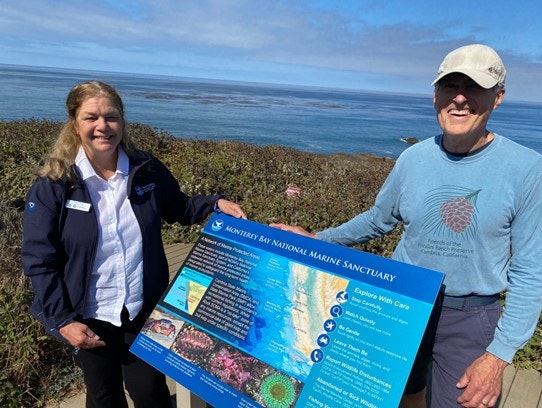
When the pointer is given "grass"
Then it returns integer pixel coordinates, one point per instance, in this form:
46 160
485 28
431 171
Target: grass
35 368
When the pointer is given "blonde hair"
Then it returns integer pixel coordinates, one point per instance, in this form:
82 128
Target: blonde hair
59 161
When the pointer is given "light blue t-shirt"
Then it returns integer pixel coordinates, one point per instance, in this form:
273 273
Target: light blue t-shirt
477 219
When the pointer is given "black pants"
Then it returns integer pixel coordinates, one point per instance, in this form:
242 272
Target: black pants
107 370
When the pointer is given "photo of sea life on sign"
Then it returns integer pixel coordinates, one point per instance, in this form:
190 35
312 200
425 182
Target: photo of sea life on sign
193 344
246 374
162 327
274 389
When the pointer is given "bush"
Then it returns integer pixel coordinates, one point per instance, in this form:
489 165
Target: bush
26 353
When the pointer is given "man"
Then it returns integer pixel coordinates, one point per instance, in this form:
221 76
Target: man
470 201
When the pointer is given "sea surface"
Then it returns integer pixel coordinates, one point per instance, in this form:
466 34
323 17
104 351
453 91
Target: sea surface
306 118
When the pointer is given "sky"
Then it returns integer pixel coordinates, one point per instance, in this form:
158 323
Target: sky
374 45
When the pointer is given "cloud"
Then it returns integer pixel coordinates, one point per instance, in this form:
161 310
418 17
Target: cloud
365 40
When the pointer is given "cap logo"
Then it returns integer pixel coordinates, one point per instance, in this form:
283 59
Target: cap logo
495 71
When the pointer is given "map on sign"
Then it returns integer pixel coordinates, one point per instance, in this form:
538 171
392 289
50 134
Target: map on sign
187 290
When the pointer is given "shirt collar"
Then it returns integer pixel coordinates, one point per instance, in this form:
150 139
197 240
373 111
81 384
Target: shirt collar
83 164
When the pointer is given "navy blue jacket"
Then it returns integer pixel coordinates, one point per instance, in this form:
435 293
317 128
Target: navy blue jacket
59 243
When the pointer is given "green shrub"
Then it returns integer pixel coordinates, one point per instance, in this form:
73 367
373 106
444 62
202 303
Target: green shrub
26 353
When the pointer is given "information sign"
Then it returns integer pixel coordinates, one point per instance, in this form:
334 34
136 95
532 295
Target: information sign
260 317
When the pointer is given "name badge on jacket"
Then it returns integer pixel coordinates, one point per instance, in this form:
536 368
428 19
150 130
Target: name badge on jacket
78 205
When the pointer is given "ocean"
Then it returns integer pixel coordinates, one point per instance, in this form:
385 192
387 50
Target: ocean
309 119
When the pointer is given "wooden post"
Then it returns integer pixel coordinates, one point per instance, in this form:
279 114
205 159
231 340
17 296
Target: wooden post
185 399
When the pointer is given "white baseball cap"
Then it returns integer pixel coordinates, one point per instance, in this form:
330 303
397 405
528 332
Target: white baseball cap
479 62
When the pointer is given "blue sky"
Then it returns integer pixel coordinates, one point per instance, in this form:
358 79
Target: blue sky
377 45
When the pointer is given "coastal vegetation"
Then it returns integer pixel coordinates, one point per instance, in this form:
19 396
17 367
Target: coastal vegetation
272 183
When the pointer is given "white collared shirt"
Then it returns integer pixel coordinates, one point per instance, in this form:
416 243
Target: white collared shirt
117 274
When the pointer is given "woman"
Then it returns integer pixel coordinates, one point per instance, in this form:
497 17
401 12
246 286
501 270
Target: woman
92 244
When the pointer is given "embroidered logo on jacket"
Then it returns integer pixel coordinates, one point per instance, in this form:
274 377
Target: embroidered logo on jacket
452 210
140 190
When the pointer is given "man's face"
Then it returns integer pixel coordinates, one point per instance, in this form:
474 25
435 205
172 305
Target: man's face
463 107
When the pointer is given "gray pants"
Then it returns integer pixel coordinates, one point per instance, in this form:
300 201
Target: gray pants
462 336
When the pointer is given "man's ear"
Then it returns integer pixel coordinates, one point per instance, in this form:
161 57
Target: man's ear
499 98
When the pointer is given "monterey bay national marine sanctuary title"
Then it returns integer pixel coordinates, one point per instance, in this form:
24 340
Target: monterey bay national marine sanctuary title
370 272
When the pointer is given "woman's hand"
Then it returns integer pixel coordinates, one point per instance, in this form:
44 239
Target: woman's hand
79 335
231 208
294 228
